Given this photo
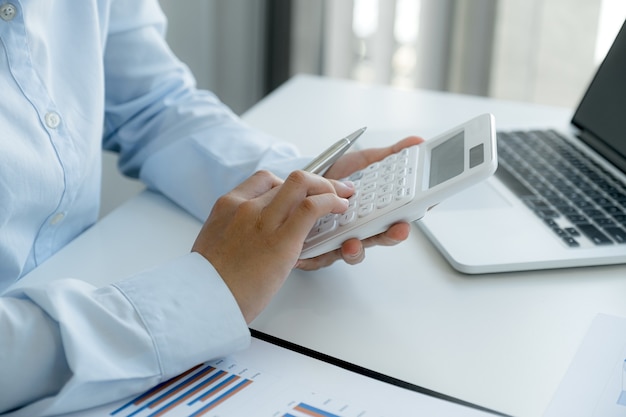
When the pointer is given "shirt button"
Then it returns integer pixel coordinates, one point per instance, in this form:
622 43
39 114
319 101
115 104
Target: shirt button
8 11
53 120
57 218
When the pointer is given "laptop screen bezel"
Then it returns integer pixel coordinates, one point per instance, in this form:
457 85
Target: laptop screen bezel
602 110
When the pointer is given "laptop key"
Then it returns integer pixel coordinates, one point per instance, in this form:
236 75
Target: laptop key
604 222
570 241
577 219
620 218
547 213
616 233
594 234
613 210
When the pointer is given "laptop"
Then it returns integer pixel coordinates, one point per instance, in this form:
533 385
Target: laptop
557 200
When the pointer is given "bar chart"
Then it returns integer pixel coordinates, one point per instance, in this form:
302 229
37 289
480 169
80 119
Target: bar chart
268 380
227 388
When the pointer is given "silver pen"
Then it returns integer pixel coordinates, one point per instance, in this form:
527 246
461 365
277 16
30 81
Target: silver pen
320 164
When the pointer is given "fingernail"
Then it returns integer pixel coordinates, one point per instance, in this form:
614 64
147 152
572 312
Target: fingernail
348 185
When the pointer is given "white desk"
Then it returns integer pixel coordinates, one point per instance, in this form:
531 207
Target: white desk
501 341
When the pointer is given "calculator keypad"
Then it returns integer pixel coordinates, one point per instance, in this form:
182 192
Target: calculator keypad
377 187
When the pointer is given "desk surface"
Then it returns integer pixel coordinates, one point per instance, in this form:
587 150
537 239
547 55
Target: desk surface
503 341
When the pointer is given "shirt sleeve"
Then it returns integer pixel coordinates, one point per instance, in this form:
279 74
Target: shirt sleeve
96 345
180 140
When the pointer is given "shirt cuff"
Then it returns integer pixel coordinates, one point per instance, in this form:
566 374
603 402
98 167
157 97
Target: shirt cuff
188 311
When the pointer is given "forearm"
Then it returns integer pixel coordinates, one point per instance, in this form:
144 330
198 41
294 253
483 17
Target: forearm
81 346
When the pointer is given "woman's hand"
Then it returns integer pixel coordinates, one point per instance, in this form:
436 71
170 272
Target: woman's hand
254 234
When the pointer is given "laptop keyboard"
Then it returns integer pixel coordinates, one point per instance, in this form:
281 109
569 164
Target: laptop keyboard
573 195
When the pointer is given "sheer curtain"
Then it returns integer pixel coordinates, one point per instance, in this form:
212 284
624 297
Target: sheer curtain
433 44
534 50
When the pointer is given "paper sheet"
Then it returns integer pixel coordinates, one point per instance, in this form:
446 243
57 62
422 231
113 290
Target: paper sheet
595 383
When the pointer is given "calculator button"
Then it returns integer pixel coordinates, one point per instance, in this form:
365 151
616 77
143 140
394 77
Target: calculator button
323 220
387 178
370 176
369 187
400 193
368 198
352 203
366 210
326 226
388 169
347 218
385 189
384 201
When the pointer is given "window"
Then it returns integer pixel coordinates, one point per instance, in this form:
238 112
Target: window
534 50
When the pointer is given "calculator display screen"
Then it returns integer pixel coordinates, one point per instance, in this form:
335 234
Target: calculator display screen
447 160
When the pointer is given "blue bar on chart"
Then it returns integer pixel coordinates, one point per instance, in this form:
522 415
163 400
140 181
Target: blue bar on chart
193 393
220 399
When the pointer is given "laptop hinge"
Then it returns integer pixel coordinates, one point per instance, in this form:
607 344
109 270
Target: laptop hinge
608 152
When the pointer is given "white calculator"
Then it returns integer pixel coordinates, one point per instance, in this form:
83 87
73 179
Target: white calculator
403 186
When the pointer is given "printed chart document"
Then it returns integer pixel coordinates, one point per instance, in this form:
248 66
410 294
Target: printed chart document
595 383
269 380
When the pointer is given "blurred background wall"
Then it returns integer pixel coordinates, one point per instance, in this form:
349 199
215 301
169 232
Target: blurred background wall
542 51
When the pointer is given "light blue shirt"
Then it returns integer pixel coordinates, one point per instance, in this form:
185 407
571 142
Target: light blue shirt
76 76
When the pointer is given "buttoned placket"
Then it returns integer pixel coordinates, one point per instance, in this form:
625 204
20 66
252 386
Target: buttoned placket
18 54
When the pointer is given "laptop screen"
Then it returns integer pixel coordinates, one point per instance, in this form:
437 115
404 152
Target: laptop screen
601 114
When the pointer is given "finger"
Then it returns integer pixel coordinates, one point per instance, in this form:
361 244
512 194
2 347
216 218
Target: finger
378 154
352 251
256 185
321 261
304 216
405 143
299 187
392 236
